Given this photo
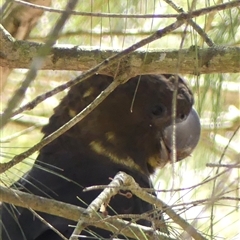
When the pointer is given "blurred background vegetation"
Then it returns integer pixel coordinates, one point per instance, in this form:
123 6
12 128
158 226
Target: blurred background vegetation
212 207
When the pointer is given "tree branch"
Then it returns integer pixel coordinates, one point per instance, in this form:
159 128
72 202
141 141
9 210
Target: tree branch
218 59
196 13
197 28
129 181
74 213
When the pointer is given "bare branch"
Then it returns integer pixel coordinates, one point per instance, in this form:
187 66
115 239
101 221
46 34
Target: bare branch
129 181
218 59
223 165
27 119
115 15
48 224
91 14
74 213
197 28
17 134
97 32
103 199
215 180
97 219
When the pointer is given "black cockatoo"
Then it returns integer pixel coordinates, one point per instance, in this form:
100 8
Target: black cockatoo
129 131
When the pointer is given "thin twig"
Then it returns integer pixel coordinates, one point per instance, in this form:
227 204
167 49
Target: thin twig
198 29
209 20
129 181
223 165
215 182
196 13
102 15
165 190
103 198
27 119
47 224
17 134
205 201
102 32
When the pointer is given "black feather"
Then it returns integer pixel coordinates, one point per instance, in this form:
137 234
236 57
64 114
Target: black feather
113 137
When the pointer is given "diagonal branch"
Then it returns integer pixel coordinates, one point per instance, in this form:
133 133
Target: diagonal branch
197 28
196 13
129 181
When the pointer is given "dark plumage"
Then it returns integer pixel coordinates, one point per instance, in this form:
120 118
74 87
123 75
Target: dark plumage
111 138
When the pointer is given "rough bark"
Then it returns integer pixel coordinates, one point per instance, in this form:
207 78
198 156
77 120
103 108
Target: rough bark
219 59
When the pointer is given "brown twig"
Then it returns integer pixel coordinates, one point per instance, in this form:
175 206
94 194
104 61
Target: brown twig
47 224
27 119
17 134
102 32
215 181
196 13
129 181
103 198
167 190
223 165
102 15
198 29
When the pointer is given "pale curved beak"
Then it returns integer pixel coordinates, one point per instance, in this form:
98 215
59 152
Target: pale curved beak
187 135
